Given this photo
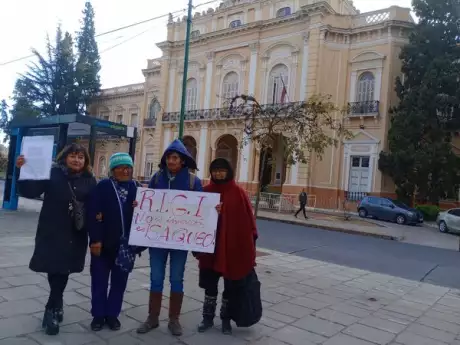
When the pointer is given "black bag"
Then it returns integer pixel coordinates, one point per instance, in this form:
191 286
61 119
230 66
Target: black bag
245 303
77 211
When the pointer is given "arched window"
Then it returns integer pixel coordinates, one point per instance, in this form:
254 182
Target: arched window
195 34
191 95
102 167
366 86
235 23
154 110
230 86
283 12
278 83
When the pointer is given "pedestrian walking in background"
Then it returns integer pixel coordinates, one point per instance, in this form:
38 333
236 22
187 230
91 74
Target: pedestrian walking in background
173 174
303 198
61 241
234 257
110 212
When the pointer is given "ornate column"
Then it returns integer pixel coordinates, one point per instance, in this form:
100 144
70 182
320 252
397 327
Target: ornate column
304 73
209 68
202 150
256 166
166 138
378 83
253 68
172 79
353 81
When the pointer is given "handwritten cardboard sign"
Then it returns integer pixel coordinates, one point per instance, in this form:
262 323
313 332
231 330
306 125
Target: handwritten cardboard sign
175 219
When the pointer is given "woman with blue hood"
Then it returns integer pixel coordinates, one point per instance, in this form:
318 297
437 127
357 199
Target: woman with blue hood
173 174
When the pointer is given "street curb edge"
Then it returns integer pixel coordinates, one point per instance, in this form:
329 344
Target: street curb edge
335 229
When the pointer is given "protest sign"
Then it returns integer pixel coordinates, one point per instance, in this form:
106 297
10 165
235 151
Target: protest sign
175 219
38 155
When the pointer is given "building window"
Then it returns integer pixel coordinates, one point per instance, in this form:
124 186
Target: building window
235 23
134 120
283 12
105 116
148 170
119 118
366 87
154 109
195 34
230 87
278 85
359 174
191 95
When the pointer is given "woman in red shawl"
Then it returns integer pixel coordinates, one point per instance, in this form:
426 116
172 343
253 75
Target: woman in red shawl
234 257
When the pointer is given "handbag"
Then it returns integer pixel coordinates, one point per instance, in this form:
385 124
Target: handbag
245 303
77 210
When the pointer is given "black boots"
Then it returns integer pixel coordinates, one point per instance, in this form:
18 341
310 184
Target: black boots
225 317
209 312
50 322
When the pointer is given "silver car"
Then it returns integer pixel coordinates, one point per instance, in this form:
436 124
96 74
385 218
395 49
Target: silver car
449 221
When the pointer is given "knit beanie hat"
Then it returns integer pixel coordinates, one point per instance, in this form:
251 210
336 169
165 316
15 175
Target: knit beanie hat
120 158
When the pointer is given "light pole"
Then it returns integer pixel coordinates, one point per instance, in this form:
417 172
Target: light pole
184 79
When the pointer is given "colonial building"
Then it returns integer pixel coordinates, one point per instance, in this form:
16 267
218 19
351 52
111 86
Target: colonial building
258 47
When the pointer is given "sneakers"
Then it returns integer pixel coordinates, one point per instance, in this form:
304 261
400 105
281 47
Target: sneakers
50 322
97 324
112 322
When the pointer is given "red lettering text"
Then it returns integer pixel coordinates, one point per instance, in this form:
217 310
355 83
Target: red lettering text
161 210
197 214
147 195
181 209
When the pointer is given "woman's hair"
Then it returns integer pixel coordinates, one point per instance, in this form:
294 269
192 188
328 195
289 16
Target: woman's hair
74 148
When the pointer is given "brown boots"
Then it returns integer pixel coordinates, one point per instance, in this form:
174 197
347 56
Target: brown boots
175 306
152 321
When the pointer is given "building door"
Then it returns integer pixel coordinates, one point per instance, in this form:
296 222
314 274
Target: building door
359 175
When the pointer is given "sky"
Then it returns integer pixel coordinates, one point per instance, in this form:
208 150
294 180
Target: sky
25 24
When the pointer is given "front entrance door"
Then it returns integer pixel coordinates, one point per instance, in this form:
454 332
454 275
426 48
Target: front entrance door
359 175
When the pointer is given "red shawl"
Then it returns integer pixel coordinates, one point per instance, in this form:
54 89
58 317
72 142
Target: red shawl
235 253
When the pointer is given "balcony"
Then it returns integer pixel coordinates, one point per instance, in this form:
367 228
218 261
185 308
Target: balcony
150 122
222 113
370 108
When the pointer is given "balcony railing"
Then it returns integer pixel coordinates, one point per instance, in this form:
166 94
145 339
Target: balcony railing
364 108
222 113
150 122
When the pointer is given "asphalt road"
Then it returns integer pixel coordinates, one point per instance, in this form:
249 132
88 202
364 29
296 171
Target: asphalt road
414 262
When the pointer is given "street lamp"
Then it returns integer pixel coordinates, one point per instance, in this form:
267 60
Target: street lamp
184 78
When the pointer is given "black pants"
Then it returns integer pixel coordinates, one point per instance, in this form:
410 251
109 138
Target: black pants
58 283
302 208
209 281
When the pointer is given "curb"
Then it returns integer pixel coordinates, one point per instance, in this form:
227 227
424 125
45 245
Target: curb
332 228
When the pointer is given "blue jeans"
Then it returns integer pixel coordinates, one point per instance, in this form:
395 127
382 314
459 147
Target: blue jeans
158 258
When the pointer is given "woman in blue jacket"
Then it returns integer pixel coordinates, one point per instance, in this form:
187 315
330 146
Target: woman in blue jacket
173 174
110 213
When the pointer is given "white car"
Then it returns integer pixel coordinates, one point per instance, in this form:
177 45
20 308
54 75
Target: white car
449 221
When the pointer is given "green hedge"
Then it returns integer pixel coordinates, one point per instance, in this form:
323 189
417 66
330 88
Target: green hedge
430 212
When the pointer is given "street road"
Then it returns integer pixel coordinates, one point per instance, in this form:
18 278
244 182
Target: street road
428 264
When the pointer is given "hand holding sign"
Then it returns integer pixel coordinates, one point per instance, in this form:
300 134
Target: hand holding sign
175 219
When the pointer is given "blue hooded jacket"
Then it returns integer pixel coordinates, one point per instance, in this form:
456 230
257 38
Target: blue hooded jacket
181 181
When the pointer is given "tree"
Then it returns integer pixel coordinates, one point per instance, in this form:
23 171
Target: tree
3 162
420 159
306 128
88 63
4 119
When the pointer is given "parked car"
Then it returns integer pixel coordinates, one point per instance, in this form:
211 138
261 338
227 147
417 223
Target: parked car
388 209
449 221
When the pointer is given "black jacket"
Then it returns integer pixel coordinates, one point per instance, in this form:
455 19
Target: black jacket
59 247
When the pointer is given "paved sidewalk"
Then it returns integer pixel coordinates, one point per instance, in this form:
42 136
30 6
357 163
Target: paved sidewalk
421 235
306 302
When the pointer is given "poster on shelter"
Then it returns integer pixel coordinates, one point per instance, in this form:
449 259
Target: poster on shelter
175 219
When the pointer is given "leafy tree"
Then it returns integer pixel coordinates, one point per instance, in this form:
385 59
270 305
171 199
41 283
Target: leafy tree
306 128
3 162
4 119
420 159
88 63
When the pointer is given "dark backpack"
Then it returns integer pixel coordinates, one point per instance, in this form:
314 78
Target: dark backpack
245 302
190 176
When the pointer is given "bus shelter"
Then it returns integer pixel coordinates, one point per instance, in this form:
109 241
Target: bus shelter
65 129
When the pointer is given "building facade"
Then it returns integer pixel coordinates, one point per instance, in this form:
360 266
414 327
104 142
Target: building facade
260 47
